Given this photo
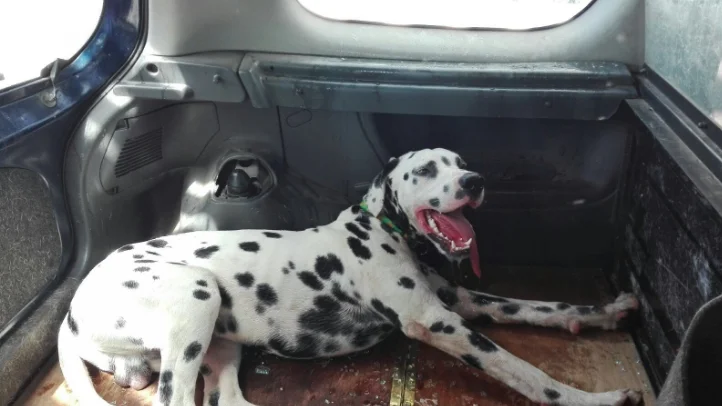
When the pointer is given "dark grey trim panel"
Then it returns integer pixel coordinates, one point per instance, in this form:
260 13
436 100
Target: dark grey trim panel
579 90
610 30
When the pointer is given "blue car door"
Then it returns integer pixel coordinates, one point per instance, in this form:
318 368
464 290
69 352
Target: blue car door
37 245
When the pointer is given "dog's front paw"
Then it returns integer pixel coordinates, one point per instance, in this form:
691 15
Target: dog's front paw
608 317
619 310
628 397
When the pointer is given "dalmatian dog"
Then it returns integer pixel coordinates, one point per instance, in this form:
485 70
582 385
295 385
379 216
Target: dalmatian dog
185 304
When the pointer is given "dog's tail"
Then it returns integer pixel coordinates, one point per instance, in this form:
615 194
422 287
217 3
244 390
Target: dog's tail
76 374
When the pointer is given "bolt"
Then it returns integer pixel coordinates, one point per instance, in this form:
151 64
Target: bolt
49 99
702 125
217 78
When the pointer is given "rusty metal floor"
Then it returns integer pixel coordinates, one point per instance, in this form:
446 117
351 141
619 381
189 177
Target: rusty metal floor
400 372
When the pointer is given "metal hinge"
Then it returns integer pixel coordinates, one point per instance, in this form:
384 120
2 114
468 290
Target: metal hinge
50 97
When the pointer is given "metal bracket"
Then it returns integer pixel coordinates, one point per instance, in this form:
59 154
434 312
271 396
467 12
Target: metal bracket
50 97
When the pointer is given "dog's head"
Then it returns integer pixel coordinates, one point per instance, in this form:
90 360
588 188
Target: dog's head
423 193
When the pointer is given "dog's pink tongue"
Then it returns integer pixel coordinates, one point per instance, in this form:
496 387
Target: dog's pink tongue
455 226
474 256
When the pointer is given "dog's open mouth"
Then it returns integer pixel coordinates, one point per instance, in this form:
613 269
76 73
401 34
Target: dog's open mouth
453 232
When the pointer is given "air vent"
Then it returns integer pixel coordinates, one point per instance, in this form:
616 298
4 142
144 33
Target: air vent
140 151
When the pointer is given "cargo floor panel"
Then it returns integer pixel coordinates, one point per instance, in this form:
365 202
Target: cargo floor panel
401 372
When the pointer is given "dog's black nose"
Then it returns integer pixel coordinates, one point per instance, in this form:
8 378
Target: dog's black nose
472 182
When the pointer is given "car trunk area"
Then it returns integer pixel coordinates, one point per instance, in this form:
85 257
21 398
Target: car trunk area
402 372
577 209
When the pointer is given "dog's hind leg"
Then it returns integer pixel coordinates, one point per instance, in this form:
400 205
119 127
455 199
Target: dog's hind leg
189 312
421 316
485 308
220 374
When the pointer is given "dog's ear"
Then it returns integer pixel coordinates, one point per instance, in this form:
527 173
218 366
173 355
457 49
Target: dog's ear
375 196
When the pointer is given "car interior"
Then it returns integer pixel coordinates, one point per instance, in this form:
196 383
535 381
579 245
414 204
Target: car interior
599 137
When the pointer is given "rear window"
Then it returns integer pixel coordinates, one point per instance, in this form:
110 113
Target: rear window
34 33
489 14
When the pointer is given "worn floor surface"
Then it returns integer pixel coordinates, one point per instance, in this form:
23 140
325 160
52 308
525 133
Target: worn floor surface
398 372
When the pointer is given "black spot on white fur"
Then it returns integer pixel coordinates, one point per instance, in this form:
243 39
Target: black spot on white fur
266 294
250 246
481 342
152 253
271 234
158 243
120 323
434 202
206 252
165 388
205 370
388 248
192 351
311 280
342 296
355 230
439 327
387 312
510 309
125 248
145 261
245 279
142 269
327 265
358 248
202 283
325 317
544 309
201 294
551 394
563 306
471 360
131 284
407 282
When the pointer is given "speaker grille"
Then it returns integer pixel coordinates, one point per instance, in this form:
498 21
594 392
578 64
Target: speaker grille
140 151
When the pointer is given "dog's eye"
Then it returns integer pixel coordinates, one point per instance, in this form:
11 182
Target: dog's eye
460 163
423 171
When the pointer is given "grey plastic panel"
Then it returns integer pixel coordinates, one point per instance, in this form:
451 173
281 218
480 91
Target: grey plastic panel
684 46
609 30
179 134
208 77
580 90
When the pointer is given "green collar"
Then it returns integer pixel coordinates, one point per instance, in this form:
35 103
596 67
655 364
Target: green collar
383 219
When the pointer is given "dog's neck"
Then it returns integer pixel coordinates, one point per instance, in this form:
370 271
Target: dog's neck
394 221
